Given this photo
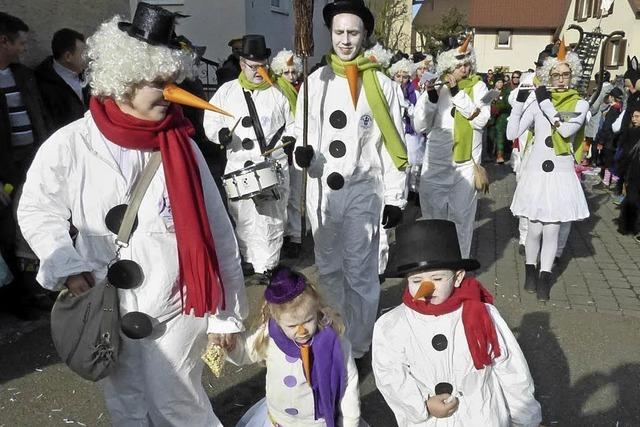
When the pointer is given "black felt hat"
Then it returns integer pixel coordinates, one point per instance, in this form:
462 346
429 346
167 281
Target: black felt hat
354 7
254 47
153 24
427 244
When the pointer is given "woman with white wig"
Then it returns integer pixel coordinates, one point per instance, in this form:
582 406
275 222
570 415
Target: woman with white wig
549 193
192 282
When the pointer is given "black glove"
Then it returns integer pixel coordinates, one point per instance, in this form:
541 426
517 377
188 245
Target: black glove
523 94
304 156
391 216
542 93
288 149
224 136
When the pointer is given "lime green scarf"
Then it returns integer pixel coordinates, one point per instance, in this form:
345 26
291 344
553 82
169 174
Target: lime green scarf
566 101
249 85
462 130
289 92
377 101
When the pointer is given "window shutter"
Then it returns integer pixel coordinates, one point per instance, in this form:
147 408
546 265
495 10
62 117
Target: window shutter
608 52
622 50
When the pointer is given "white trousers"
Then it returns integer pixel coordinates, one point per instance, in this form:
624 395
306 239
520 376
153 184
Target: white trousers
415 148
260 224
346 253
450 194
158 380
563 236
294 228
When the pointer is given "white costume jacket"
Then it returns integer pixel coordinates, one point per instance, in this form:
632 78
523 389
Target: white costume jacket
351 178
75 177
446 187
289 398
414 352
259 226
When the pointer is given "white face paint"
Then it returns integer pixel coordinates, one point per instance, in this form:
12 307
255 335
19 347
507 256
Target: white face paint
347 35
250 69
443 280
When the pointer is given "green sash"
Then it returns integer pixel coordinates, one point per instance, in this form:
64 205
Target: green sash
248 85
566 101
378 103
462 130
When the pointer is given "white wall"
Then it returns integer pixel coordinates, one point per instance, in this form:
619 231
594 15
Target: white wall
622 18
278 28
525 46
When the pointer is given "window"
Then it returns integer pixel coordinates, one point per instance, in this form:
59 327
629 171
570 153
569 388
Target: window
280 6
614 53
596 12
583 10
503 39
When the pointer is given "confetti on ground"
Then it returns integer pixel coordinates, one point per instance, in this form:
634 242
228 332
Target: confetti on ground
101 414
67 421
38 370
56 410
39 396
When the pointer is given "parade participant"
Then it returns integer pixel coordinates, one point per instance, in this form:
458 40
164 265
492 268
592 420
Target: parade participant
192 282
497 126
549 193
287 67
445 356
265 118
354 159
629 169
312 379
453 117
422 64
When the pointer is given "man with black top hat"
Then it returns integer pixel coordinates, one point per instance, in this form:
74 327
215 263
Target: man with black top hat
182 249
355 161
445 356
262 121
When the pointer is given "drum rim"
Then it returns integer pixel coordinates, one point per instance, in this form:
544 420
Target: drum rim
266 164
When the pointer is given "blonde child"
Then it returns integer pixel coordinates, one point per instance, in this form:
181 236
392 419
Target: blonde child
311 378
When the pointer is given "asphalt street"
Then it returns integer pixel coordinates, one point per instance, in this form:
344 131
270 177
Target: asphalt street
582 346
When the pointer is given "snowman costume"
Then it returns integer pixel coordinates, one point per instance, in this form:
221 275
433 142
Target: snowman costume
79 174
421 350
447 188
351 177
259 221
549 193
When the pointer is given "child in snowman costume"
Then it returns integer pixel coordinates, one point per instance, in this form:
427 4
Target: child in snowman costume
445 356
312 379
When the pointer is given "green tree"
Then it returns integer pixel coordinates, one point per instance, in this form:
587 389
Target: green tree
453 23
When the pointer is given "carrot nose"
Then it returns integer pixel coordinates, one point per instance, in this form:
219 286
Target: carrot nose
425 290
265 75
352 73
173 93
301 330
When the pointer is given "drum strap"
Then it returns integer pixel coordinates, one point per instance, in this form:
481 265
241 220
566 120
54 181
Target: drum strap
255 121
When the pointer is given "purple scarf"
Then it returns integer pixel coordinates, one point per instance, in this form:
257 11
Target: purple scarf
328 373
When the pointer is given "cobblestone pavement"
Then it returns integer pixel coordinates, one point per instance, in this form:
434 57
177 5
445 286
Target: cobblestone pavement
582 346
598 271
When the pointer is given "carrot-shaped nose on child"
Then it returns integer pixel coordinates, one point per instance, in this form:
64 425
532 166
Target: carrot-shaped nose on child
425 290
301 331
173 93
265 75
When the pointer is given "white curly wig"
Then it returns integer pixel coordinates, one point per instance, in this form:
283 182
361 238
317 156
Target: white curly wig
449 60
571 59
279 62
402 65
380 55
118 62
426 63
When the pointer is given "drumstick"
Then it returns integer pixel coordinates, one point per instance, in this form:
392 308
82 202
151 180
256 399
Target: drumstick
266 153
235 126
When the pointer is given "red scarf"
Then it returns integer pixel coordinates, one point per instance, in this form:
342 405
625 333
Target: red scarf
478 325
198 262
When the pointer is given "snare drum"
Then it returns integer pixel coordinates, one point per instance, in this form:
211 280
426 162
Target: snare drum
255 179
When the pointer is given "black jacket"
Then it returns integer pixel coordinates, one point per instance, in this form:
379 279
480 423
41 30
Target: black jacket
26 82
61 102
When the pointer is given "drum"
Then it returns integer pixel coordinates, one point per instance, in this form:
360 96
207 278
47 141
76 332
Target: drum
255 179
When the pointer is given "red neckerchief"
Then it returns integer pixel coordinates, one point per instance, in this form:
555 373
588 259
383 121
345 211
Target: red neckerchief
199 271
478 325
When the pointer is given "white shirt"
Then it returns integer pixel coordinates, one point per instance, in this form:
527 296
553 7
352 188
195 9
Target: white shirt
70 77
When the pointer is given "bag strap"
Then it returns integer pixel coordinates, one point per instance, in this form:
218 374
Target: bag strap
124 233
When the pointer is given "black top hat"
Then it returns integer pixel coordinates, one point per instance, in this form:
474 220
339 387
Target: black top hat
153 24
254 47
427 244
355 7
542 56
